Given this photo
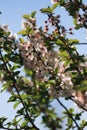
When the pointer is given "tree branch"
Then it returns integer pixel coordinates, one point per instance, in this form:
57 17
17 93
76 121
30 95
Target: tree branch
69 114
79 105
82 43
15 86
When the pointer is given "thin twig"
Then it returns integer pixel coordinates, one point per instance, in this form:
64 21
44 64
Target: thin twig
81 44
9 128
79 105
69 114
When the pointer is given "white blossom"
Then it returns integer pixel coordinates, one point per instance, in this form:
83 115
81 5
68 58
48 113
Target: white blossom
54 1
5 28
28 22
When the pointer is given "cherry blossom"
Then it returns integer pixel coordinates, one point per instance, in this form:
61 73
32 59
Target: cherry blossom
37 57
54 1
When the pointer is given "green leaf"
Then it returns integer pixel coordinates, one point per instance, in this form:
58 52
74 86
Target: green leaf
29 30
29 72
22 32
54 6
83 86
21 40
73 41
63 54
78 26
83 123
71 110
1 66
59 42
47 85
24 124
20 111
24 96
51 82
3 119
9 124
4 87
12 99
33 14
26 16
75 21
16 59
70 122
16 66
78 116
0 75
16 104
46 10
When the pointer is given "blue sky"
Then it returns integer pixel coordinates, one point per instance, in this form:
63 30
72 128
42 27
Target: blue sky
12 11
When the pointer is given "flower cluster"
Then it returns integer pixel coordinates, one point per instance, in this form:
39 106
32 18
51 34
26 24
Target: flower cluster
44 62
29 22
37 56
66 84
53 27
8 32
81 20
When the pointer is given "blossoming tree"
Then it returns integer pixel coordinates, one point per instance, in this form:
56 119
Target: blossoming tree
52 66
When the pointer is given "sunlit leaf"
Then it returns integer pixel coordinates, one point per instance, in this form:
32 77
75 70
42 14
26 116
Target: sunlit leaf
46 10
51 82
59 42
22 32
71 110
33 14
12 99
4 87
28 72
21 40
24 123
26 16
16 104
83 123
73 41
70 122
75 21
54 6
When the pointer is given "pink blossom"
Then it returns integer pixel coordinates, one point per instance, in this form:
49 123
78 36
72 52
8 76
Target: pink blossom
54 1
